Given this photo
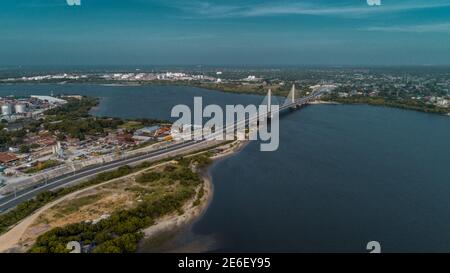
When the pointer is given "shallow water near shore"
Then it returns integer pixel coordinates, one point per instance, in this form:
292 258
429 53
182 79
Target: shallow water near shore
344 175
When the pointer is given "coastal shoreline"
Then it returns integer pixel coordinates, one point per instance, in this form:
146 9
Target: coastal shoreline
11 241
174 225
223 90
325 102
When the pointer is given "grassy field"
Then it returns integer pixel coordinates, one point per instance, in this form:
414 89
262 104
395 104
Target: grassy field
131 125
110 217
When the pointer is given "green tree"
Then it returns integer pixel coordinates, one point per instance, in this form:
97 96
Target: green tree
24 149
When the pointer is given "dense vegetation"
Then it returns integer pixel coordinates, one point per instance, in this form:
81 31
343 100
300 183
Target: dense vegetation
27 208
121 232
202 160
73 119
16 137
11 138
398 103
384 99
74 108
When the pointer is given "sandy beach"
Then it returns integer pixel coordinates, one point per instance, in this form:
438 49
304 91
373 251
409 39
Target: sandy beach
324 102
173 223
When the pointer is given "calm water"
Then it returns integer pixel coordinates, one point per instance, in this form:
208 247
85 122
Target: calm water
343 176
133 101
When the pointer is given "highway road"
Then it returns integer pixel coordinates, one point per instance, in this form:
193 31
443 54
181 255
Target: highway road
10 201
13 200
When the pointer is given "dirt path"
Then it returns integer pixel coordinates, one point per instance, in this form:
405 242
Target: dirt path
11 239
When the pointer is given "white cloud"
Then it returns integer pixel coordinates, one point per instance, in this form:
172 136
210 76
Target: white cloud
292 8
426 28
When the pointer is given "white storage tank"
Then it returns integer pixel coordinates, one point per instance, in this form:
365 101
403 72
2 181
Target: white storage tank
20 108
6 110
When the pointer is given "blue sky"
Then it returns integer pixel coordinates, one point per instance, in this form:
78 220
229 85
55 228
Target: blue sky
226 32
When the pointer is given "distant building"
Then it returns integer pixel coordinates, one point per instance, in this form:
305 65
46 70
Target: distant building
146 133
125 138
78 97
7 157
13 149
164 130
58 150
49 99
6 109
20 108
151 130
442 102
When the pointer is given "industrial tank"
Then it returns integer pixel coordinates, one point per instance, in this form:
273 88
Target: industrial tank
6 110
20 108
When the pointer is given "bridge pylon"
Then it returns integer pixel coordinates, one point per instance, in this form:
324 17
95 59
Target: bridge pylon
291 98
269 104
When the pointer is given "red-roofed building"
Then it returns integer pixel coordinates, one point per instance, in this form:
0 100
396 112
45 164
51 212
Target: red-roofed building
7 157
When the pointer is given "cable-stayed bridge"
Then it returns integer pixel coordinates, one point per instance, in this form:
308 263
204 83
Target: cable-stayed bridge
293 101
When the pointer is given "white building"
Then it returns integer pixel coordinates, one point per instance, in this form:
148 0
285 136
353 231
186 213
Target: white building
442 102
49 99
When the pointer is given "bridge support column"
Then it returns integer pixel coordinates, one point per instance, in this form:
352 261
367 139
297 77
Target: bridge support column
293 98
269 105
